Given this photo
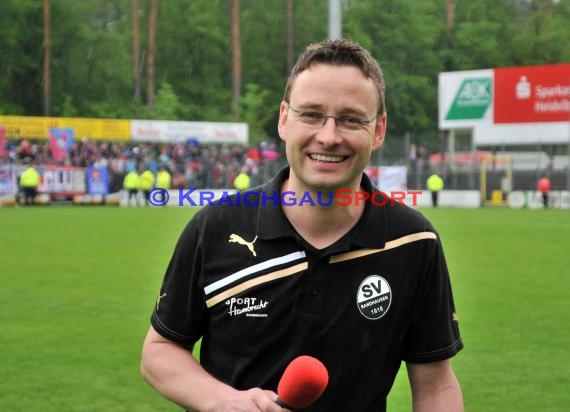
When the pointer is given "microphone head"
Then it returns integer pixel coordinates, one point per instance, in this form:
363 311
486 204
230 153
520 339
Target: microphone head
303 381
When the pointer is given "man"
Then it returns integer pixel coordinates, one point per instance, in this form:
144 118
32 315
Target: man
242 181
434 184
163 178
131 185
358 286
543 185
29 183
163 181
145 184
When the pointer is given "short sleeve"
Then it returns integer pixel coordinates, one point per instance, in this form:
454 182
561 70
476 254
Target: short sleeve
433 334
180 310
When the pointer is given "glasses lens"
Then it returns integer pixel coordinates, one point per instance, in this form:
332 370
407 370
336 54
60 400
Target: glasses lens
344 123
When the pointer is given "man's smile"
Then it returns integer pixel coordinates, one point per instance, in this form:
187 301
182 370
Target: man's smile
327 158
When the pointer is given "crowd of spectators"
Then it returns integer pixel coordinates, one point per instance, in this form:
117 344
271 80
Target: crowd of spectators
191 164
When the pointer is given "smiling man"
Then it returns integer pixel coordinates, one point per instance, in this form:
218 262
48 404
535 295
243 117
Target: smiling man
360 287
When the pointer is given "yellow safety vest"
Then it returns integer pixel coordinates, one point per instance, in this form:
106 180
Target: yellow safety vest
242 181
146 180
434 183
163 180
131 181
30 178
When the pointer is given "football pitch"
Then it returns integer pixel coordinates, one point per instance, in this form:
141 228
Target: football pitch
78 285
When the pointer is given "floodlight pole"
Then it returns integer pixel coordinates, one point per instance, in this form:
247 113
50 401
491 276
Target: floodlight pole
335 19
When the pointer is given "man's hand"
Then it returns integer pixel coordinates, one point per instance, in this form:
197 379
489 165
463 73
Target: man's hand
252 400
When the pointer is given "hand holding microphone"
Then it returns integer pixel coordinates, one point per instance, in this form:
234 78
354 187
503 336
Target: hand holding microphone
303 382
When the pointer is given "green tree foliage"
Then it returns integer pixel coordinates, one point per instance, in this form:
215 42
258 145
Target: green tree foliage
21 57
255 111
482 35
404 38
91 53
166 106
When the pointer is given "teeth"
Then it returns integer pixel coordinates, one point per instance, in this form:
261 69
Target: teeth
326 158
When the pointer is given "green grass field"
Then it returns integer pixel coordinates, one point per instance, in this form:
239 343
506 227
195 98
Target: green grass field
78 285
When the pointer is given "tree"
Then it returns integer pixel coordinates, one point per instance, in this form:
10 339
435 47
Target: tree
47 78
405 37
96 53
236 58
152 14
136 50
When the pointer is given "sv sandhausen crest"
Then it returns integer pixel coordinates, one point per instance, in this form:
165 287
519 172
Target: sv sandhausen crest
373 297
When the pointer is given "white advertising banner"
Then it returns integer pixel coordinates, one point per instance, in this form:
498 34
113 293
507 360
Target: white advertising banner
508 105
181 131
388 178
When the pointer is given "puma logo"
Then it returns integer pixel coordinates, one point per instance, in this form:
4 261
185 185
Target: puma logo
238 239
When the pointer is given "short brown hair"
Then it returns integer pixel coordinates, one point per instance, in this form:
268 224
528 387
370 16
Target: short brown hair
340 52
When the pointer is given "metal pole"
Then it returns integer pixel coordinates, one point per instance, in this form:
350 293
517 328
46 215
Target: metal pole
452 167
335 19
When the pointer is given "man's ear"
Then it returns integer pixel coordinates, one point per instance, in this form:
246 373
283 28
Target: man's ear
379 131
283 116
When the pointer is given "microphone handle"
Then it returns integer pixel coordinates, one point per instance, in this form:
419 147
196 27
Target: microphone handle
281 403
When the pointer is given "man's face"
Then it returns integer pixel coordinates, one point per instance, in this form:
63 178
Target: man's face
327 157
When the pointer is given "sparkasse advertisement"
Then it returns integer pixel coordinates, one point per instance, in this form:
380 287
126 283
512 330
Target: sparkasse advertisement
509 105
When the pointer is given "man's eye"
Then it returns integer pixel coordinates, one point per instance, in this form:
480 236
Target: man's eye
313 116
350 121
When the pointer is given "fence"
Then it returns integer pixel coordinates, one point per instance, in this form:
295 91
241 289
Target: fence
461 169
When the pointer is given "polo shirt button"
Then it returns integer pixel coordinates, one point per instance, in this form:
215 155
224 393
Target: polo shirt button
315 292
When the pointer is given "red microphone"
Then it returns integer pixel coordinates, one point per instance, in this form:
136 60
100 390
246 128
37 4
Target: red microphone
303 381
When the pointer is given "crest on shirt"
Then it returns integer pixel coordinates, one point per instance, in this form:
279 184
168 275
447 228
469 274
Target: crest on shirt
373 297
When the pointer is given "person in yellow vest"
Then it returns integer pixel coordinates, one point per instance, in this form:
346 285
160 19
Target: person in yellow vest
163 179
131 185
435 185
29 183
242 182
146 184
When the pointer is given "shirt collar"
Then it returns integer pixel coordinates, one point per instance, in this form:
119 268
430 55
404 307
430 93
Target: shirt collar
272 223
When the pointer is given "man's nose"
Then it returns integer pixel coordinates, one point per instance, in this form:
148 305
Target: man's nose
329 134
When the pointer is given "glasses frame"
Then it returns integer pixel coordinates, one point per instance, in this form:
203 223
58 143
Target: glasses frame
359 121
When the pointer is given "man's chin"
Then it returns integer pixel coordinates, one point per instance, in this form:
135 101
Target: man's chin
326 185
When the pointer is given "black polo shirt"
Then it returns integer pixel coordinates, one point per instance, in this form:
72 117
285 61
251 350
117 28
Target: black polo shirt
242 278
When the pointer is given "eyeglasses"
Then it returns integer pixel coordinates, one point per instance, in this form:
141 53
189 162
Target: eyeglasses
344 123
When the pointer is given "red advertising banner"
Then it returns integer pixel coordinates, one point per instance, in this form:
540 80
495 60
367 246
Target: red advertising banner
532 94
